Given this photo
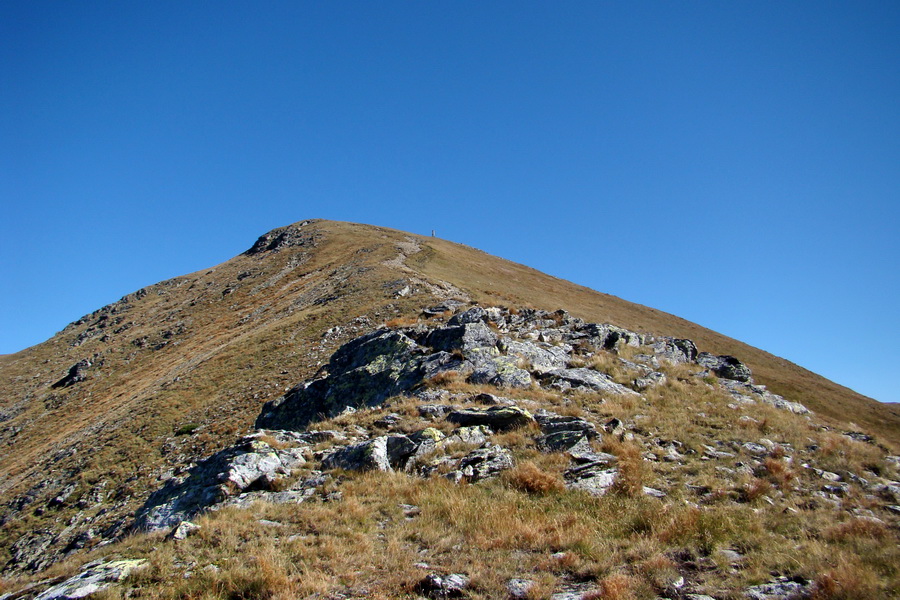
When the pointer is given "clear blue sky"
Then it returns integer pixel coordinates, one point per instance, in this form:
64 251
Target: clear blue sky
734 163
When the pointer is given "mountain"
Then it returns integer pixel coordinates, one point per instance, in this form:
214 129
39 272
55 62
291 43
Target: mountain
136 416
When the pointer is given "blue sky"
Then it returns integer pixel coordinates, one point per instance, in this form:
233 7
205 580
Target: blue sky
734 163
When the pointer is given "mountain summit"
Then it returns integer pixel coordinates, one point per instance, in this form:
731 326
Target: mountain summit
363 412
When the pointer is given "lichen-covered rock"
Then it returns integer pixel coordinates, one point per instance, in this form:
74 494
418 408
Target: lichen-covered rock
592 478
371 455
561 441
364 372
550 422
94 578
465 337
476 314
538 359
564 379
498 418
443 586
251 464
501 371
780 589
482 463
726 367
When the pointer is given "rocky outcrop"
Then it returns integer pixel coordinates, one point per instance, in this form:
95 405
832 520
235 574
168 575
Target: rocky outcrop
490 346
296 235
75 375
497 418
726 367
95 577
250 465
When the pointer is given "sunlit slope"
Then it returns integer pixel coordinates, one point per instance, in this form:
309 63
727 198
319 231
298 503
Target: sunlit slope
201 353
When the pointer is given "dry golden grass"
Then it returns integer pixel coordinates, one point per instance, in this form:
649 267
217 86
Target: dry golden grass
528 477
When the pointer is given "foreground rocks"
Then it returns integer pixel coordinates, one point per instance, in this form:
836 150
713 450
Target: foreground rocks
94 578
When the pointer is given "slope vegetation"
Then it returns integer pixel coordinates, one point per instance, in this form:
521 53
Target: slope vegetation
100 416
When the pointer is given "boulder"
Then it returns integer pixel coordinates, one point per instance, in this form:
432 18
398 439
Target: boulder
249 465
482 463
675 350
582 378
539 360
501 371
371 455
782 588
726 367
95 577
465 337
362 373
550 422
498 418
476 314
593 478
563 440
443 586
75 375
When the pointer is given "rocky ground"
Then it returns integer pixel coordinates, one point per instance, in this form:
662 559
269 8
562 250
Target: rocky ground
577 460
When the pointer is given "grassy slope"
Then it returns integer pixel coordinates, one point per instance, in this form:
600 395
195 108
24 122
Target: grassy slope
252 326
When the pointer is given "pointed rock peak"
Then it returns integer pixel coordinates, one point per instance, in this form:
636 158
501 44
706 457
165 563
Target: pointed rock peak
297 234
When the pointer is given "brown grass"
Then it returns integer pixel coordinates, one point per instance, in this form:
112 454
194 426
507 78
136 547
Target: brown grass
529 478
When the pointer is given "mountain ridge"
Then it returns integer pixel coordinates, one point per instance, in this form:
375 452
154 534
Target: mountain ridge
171 372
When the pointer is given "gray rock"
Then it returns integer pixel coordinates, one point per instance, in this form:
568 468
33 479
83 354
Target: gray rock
583 378
564 440
475 435
362 373
183 530
675 350
464 337
582 453
371 455
553 423
780 589
31 551
498 418
500 371
608 336
755 449
476 314
445 306
652 379
251 464
540 360
483 463
94 578
434 411
443 586
593 478
76 374
518 588
726 367
732 368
